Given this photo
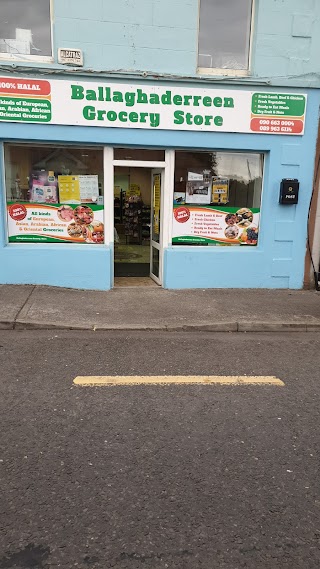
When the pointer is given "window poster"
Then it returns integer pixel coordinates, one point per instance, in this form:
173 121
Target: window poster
156 201
69 189
89 188
43 187
207 225
55 223
198 188
220 190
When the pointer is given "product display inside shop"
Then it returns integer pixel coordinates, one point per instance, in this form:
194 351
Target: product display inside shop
217 198
54 194
132 218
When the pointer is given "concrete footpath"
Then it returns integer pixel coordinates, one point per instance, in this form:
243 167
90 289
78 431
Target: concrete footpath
153 308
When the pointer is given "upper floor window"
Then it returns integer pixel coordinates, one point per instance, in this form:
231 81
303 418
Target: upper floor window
25 29
224 35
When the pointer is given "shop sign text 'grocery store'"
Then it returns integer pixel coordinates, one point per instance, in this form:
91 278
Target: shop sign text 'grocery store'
136 105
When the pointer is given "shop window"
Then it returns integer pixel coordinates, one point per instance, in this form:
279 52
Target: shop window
25 29
224 35
54 194
217 198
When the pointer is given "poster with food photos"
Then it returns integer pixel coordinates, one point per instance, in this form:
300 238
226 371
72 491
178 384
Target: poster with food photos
55 223
210 225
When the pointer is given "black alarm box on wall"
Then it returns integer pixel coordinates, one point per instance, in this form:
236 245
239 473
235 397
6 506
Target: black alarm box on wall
289 191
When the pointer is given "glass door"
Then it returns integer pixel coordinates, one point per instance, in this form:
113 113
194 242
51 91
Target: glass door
157 179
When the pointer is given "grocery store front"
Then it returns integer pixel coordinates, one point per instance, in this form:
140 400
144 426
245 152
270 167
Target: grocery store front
57 195
181 185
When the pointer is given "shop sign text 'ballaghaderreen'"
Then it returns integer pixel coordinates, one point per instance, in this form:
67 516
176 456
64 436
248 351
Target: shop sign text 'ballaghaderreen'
146 106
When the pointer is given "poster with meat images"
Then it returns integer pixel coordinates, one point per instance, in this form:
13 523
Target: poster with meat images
208 225
55 223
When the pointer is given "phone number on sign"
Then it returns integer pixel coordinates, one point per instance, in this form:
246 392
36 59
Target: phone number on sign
277 125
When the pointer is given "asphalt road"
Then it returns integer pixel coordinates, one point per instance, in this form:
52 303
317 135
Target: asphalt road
177 477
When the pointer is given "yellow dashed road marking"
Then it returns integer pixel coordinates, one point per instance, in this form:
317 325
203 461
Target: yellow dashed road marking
101 380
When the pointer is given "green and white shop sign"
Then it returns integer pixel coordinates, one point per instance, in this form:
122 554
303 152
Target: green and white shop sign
145 106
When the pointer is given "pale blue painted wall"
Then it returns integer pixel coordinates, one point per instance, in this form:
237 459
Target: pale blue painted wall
131 35
160 37
287 41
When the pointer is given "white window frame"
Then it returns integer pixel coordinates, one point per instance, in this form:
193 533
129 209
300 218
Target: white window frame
38 58
228 72
218 247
